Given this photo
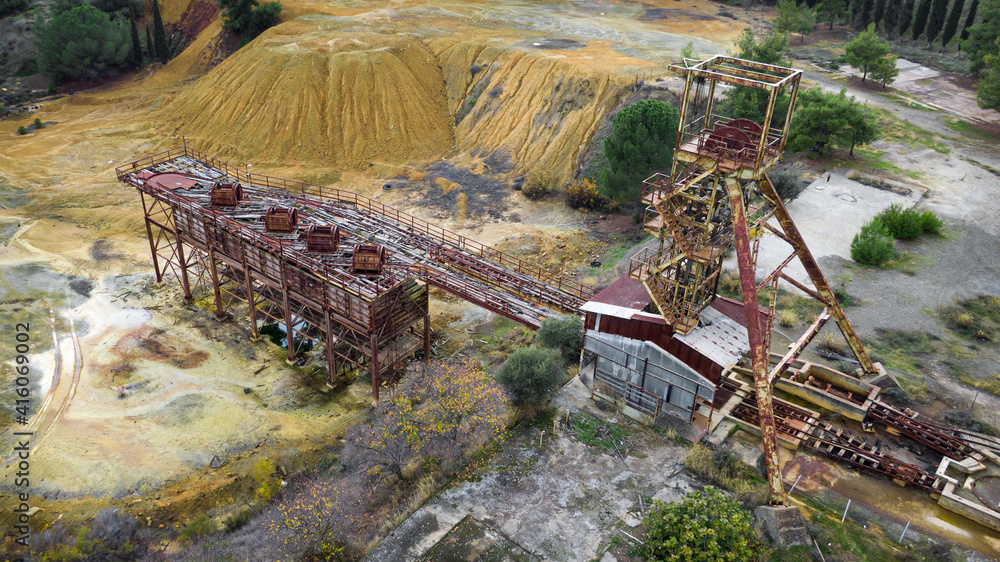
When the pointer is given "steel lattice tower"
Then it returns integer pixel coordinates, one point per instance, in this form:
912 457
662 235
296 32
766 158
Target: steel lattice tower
717 197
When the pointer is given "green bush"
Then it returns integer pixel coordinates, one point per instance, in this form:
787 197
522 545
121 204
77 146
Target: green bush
531 374
930 223
705 525
38 123
873 245
565 336
787 183
200 526
249 18
21 130
239 520
905 224
902 224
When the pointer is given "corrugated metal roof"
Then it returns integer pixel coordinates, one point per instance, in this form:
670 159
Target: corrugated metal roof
718 337
626 293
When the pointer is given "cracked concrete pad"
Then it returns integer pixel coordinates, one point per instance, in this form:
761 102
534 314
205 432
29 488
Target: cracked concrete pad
828 214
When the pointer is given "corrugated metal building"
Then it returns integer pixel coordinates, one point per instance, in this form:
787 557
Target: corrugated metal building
632 354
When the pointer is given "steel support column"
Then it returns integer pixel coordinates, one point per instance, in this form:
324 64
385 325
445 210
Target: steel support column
374 368
793 236
427 338
758 353
149 234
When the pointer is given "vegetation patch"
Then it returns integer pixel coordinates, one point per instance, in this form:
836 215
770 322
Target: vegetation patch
975 319
969 130
722 468
598 433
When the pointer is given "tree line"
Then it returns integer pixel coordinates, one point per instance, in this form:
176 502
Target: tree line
95 39
972 26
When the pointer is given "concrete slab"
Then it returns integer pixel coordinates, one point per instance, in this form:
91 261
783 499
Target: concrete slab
828 213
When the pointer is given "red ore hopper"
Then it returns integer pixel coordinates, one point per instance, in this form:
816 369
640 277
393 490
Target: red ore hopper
226 193
368 259
323 239
281 219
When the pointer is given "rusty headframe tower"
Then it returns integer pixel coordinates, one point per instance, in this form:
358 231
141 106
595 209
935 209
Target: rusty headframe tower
717 197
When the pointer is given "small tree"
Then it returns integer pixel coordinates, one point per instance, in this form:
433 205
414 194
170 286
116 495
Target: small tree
865 51
531 374
982 41
885 70
160 44
873 245
824 120
920 20
952 26
706 525
564 335
793 19
751 103
135 55
538 184
970 20
248 17
831 11
688 51
939 12
988 88
641 143
906 16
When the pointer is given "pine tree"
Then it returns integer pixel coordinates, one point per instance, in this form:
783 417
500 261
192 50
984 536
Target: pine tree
879 16
160 35
905 16
939 12
982 40
150 52
952 26
866 51
969 20
920 22
866 12
136 55
890 21
831 11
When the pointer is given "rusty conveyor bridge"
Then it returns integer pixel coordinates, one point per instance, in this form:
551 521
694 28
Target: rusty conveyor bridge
363 318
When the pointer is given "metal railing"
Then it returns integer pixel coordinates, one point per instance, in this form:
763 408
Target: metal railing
568 286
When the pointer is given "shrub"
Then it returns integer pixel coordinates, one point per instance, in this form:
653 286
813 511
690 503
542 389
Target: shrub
705 525
565 336
200 526
930 223
537 185
38 123
873 245
475 69
530 374
787 183
788 318
21 130
234 522
583 194
901 223
843 297
249 18
266 479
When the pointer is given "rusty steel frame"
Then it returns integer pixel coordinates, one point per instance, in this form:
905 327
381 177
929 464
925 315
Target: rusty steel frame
207 247
704 158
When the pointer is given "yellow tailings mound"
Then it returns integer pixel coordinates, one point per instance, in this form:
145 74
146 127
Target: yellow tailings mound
539 108
302 94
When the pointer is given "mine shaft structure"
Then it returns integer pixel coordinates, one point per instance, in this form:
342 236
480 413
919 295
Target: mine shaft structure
329 267
718 197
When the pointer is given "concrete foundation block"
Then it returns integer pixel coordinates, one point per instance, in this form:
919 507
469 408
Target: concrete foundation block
784 524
